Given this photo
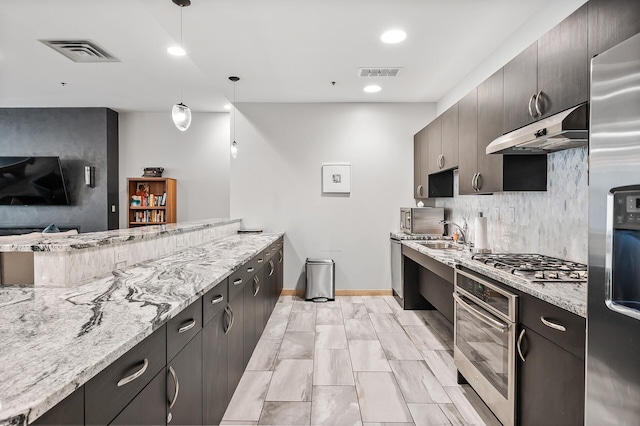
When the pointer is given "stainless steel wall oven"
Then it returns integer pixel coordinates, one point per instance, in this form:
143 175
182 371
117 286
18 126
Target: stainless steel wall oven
485 338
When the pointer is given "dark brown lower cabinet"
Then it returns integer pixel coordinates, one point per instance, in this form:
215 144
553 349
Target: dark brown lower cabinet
235 336
550 383
249 320
214 365
261 289
184 385
68 412
149 407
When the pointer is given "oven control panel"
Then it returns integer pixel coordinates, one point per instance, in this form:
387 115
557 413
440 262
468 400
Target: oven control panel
484 292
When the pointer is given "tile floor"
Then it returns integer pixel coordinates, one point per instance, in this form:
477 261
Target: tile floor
354 361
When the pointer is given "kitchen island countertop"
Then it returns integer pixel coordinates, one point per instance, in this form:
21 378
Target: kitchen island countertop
54 340
571 297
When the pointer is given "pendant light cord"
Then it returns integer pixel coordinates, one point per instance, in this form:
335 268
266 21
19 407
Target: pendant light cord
235 110
182 47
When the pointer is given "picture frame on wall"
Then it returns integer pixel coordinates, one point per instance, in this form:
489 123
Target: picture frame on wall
336 178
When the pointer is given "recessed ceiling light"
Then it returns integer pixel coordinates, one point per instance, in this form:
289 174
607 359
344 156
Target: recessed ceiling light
176 51
372 89
393 36
227 106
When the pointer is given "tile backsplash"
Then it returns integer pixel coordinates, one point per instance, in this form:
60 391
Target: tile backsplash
554 223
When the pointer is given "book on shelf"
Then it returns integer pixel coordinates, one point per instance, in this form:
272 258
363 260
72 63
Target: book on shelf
163 199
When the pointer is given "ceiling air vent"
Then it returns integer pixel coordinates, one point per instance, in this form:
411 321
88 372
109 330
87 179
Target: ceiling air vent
378 72
81 50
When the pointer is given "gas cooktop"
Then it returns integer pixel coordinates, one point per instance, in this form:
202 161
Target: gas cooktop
536 267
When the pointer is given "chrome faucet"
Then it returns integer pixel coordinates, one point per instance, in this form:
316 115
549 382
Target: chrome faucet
463 229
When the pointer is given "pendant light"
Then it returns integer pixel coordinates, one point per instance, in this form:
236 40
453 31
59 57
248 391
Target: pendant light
234 145
180 113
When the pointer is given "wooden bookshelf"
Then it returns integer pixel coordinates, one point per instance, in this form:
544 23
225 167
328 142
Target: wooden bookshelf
155 207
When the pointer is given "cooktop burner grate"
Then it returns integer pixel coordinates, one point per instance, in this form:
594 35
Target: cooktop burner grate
536 267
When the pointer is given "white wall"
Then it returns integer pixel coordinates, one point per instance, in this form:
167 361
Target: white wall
198 159
547 17
275 181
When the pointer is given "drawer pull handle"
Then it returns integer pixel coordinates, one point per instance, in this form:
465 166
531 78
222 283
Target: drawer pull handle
250 269
552 324
260 260
187 327
219 298
518 345
175 380
256 287
537 104
135 375
237 281
229 312
531 113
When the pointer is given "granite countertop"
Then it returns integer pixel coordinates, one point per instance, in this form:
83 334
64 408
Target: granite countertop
54 340
568 296
51 242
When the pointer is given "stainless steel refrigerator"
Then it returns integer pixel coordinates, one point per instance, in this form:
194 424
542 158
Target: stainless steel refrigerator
613 322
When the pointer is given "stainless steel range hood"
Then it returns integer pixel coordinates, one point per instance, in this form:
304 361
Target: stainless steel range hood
567 129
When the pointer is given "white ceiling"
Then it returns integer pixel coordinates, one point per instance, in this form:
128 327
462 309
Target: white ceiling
283 50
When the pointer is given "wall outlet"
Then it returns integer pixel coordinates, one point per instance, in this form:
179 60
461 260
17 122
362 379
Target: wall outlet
495 215
121 256
511 217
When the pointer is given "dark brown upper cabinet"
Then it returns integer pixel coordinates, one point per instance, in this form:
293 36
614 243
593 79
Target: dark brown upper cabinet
520 89
611 22
442 135
490 106
563 72
468 142
434 143
420 163
450 158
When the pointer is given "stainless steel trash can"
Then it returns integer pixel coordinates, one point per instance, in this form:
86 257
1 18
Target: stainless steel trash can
321 280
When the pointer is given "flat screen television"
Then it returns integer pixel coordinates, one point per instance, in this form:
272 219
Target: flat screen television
32 181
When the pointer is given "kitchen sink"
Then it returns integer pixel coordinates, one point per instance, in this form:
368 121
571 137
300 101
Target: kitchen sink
441 245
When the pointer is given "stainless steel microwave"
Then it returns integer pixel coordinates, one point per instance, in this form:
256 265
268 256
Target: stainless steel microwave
422 220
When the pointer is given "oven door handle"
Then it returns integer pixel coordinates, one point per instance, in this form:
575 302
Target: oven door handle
479 315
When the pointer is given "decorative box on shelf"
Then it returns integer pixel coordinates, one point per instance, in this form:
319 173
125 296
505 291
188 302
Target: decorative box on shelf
152 201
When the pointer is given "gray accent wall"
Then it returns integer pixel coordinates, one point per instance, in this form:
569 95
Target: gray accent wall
80 137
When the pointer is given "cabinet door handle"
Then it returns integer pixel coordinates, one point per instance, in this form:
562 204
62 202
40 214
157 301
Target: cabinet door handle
518 344
174 376
272 268
531 113
441 161
281 257
553 324
256 286
250 269
538 108
420 190
188 326
473 182
237 281
229 312
219 298
479 182
135 375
